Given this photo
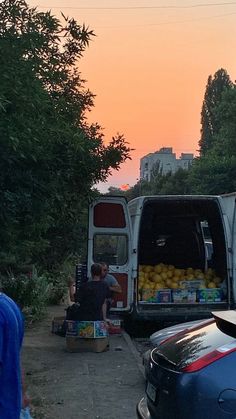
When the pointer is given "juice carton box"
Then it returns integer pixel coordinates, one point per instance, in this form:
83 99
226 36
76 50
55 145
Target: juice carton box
163 296
210 295
184 296
148 296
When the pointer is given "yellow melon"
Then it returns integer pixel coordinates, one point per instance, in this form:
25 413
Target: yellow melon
157 269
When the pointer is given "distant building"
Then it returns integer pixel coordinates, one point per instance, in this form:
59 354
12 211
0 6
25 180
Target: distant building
164 161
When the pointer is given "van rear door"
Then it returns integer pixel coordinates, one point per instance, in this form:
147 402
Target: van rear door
109 241
230 212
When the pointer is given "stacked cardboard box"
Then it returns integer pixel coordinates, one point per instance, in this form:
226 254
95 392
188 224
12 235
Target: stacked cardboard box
86 336
184 296
59 325
210 295
114 327
76 344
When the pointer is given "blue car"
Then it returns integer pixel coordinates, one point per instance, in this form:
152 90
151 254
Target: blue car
192 374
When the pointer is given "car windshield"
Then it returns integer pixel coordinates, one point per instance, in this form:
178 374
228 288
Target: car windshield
182 350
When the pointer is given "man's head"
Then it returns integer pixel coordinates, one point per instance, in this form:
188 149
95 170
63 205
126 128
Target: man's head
96 270
105 269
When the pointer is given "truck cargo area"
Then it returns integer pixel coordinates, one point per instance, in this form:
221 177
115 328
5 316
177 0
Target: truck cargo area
182 261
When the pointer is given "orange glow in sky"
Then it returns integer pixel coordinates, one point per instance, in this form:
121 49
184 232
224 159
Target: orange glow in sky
148 66
125 187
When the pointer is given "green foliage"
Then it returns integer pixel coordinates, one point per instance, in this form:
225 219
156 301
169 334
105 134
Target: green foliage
213 174
213 95
50 156
215 171
30 292
170 184
176 183
59 278
112 190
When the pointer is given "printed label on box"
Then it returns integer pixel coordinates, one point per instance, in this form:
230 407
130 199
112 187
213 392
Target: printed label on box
192 285
86 329
115 322
71 328
163 296
100 329
184 296
148 296
210 295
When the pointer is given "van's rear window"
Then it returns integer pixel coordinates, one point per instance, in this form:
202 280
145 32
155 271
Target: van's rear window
186 348
109 215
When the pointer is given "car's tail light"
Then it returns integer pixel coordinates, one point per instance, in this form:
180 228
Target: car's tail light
210 358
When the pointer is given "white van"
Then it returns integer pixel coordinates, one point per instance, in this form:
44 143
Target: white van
172 255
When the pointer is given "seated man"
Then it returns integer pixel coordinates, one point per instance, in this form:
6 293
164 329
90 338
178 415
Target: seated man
91 298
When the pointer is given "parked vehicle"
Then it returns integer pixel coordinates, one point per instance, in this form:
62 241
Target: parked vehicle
161 335
172 255
192 373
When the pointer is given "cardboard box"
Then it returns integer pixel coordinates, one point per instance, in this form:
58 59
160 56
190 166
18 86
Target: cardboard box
148 296
86 329
194 284
76 344
184 296
210 295
163 296
58 325
114 326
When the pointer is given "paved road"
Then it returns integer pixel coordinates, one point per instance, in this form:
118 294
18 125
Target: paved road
66 385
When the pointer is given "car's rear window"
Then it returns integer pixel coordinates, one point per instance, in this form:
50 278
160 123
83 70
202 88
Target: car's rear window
182 350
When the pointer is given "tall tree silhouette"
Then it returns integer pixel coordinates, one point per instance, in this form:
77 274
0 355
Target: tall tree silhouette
216 85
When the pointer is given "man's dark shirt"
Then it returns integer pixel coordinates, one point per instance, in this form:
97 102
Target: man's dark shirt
91 297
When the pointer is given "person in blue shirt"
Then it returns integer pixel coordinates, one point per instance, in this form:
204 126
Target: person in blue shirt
112 283
11 337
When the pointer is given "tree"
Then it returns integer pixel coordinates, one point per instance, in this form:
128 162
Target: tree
176 183
50 156
215 171
215 87
113 190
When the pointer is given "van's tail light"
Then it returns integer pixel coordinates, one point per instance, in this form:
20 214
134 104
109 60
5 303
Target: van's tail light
210 358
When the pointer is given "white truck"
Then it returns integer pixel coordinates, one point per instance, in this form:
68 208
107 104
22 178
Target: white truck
172 255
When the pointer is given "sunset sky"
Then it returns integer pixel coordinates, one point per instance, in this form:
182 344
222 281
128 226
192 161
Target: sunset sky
148 66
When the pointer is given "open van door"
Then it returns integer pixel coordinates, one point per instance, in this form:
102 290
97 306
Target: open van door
230 206
109 241
228 203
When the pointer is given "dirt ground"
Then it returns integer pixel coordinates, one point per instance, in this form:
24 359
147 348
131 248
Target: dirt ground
39 360
62 385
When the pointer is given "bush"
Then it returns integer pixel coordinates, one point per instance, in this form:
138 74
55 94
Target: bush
59 278
30 292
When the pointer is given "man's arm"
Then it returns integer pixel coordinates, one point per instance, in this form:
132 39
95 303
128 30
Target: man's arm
114 285
71 285
115 288
104 310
